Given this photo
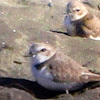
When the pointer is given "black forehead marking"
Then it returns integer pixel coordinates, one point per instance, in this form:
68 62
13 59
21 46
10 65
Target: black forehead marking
33 45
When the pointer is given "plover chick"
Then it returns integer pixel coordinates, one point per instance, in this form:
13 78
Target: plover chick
80 22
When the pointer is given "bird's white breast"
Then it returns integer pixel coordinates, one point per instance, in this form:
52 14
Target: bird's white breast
43 72
71 28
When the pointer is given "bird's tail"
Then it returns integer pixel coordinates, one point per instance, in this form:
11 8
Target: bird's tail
87 77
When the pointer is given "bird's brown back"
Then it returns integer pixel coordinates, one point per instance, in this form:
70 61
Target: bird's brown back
89 25
66 69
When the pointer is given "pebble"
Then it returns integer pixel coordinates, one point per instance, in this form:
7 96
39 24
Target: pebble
14 31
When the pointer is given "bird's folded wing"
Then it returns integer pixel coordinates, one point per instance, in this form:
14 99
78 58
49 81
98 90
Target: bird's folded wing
69 71
92 26
65 70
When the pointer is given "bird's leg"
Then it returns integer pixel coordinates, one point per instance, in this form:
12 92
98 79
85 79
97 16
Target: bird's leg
68 95
67 92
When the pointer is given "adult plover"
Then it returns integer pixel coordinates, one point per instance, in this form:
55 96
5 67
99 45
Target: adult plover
56 71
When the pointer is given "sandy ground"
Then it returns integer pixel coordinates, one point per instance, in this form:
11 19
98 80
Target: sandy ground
24 22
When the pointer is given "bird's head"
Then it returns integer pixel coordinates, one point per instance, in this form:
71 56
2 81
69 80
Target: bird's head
76 10
41 52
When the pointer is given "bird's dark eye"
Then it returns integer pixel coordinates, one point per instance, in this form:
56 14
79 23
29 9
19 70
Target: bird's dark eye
43 50
77 10
30 53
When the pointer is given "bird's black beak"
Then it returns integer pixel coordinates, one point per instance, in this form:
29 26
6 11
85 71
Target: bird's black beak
29 54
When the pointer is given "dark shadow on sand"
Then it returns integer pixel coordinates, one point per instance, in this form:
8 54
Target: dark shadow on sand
31 87
37 90
60 32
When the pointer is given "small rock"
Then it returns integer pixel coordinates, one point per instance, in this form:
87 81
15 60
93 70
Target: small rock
14 31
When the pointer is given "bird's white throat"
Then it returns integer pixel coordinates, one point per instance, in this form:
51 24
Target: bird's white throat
37 59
